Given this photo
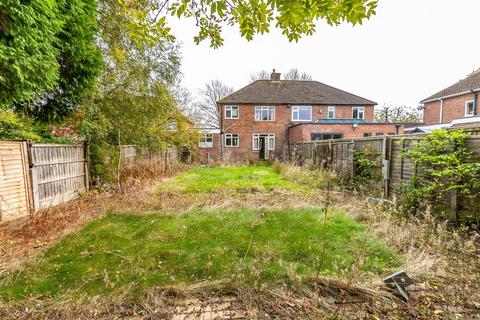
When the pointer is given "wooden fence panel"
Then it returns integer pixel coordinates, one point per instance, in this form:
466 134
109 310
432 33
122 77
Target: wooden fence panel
59 173
15 195
128 153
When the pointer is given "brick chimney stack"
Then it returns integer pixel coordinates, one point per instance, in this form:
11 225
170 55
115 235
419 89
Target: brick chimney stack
275 76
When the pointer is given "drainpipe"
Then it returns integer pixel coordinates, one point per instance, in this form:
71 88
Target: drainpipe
441 111
220 117
475 100
288 143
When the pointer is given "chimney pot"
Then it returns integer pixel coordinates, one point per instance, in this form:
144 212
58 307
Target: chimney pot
275 76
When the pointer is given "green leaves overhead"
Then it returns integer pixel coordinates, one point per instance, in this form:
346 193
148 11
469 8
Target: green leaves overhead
28 55
48 56
294 18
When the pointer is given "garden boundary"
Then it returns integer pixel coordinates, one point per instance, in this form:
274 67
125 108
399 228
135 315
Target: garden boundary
386 151
36 176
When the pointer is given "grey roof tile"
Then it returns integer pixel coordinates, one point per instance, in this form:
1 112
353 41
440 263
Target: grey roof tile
293 92
464 85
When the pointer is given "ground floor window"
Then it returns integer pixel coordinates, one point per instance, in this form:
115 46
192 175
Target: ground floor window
326 136
378 134
206 141
232 140
270 141
367 134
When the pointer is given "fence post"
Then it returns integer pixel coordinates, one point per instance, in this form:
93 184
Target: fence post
386 164
86 165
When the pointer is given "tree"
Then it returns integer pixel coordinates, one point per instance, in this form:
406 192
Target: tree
13 128
206 109
28 55
49 54
294 74
294 18
260 75
397 114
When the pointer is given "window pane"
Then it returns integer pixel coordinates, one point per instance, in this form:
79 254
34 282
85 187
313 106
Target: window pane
355 113
271 143
304 114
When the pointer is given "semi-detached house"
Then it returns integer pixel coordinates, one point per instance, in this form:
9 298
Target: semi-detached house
257 121
453 107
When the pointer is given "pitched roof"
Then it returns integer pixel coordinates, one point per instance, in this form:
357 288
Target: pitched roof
464 85
293 92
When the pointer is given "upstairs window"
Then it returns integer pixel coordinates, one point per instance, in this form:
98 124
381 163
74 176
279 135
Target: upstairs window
331 112
206 141
264 113
302 113
232 140
469 108
231 112
358 113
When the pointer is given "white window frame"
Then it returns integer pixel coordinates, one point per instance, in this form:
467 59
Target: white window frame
362 109
332 109
296 109
203 143
264 108
231 109
466 108
270 138
231 136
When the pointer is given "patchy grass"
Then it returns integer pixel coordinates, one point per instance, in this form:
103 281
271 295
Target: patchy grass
232 178
129 253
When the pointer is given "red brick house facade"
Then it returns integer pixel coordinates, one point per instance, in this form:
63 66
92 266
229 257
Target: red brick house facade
257 121
458 101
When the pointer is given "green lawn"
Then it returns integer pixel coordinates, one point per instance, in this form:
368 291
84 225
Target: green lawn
234 178
131 252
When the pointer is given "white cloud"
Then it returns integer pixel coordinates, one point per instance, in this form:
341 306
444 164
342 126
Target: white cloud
408 51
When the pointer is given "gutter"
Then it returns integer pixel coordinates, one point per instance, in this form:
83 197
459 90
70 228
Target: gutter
451 95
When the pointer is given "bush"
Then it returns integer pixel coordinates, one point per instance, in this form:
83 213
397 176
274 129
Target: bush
446 166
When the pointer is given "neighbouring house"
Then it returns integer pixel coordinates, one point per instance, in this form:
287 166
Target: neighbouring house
259 120
455 106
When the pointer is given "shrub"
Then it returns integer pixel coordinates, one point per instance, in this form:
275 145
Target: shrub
445 165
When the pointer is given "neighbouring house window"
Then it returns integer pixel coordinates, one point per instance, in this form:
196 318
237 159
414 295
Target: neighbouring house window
232 140
331 112
231 112
264 113
302 113
326 136
469 108
206 141
358 113
270 138
367 134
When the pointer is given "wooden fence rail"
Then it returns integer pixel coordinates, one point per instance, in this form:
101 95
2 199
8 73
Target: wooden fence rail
37 176
59 173
339 155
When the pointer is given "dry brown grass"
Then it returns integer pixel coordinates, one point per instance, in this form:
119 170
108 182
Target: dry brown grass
25 237
444 262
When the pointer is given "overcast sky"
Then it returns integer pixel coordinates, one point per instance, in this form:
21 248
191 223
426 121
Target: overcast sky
408 51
